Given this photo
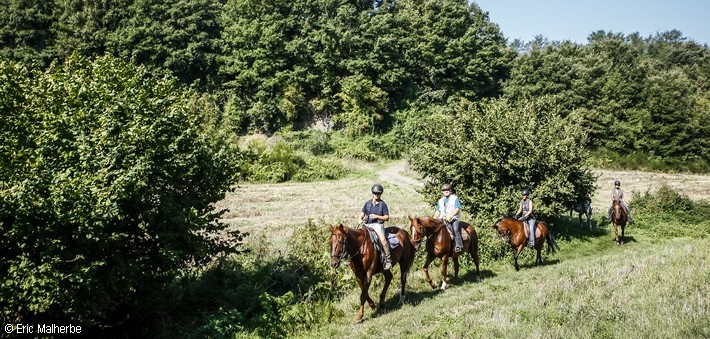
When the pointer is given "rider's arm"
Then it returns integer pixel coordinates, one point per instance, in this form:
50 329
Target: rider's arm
436 214
455 212
520 210
361 218
530 211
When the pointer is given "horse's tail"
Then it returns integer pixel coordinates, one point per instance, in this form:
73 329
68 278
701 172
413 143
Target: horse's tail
551 243
408 253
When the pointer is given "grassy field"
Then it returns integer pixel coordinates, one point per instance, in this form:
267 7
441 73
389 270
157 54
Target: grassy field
650 287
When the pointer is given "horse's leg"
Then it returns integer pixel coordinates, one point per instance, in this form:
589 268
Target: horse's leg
456 268
515 255
363 297
444 263
623 227
388 280
616 232
403 282
429 259
473 250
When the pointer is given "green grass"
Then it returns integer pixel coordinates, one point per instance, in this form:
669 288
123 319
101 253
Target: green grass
636 290
655 285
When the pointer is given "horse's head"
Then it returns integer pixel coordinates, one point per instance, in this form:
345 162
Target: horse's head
502 226
616 210
415 228
337 244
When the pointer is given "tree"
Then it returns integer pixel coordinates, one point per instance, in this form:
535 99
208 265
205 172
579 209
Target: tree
181 37
106 188
492 150
25 34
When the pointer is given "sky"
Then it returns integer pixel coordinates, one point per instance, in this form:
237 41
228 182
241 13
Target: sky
575 20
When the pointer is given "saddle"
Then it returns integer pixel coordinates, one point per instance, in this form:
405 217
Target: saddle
450 228
391 239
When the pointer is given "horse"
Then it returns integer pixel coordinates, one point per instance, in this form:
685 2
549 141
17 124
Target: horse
365 260
440 245
512 231
618 218
581 206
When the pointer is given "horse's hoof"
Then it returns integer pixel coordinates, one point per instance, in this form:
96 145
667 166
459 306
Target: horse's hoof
358 320
443 285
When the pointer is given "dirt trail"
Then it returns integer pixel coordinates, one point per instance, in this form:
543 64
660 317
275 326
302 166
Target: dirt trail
393 175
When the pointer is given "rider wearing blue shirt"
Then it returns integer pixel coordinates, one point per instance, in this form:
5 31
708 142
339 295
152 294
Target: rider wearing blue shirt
374 214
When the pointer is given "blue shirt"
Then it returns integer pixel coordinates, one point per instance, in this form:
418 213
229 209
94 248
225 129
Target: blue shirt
379 209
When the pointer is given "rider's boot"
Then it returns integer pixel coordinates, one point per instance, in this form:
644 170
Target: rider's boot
386 251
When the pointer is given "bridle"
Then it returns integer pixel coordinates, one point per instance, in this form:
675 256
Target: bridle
344 251
344 245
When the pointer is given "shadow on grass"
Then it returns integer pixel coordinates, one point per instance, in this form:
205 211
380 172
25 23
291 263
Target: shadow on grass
565 228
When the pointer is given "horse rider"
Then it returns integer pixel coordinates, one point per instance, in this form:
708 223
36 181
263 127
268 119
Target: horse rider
525 210
448 209
374 214
618 194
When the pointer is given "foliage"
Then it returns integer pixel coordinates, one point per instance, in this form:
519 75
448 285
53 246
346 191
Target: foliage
253 293
107 184
489 152
25 34
634 94
671 214
279 162
180 37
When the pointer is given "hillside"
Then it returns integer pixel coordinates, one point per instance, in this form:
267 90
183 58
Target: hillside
653 286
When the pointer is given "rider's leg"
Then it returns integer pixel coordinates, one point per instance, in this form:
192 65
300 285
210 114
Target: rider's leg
380 230
531 238
609 212
628 212
524 228
456 224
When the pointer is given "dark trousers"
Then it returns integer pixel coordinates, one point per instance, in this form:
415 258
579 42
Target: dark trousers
456 224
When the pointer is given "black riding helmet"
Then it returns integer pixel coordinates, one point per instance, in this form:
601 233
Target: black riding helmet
526 192
377 189
446 187
617 183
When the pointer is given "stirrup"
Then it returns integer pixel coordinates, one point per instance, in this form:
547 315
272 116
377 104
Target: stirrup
458 249
387 265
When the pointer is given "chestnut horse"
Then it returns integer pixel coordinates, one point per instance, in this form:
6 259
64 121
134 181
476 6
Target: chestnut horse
618 218
440 245
512 231
365 260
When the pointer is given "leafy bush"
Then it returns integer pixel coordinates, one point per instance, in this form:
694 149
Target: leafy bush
254 293
106 189
490 151
670 206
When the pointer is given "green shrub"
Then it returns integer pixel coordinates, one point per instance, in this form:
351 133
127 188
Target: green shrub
670 206
106 189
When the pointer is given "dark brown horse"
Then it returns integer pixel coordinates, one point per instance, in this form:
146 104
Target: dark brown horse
618 218
440 245
512 231
365 260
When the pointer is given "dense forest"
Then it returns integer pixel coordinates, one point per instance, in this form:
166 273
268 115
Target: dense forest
364 66
120 119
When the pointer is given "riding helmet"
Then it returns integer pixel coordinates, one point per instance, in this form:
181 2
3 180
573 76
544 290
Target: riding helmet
526 192
617 183
445 187
377 189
